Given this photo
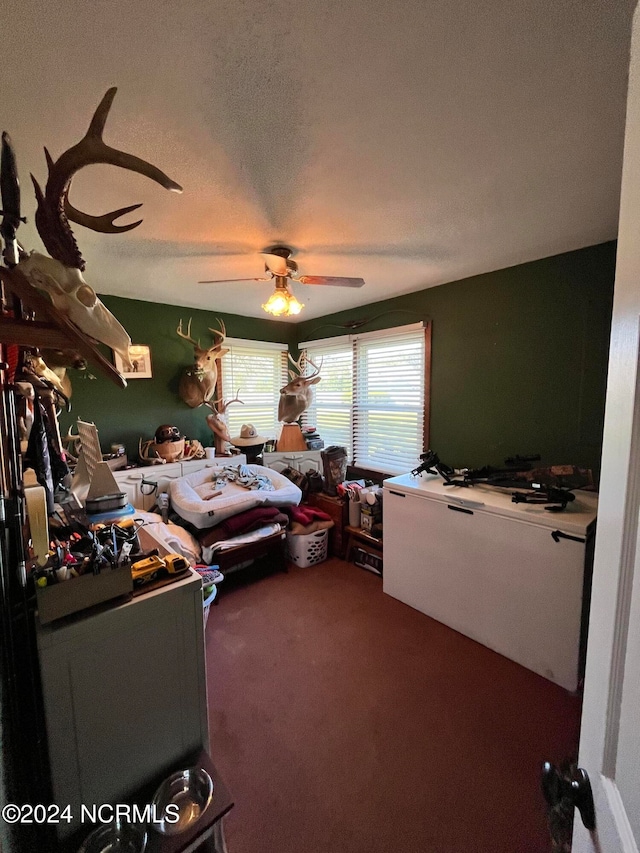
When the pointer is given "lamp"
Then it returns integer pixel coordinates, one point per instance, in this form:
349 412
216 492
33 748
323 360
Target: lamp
282 302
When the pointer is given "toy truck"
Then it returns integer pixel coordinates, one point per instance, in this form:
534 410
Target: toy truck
153 567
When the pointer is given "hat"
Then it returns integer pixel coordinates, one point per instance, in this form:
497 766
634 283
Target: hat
248 436
166 432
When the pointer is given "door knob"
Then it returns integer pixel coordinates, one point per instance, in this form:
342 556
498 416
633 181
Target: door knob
568 788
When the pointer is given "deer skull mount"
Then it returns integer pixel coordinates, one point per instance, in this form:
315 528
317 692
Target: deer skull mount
297 395
198 382
71 295
60 276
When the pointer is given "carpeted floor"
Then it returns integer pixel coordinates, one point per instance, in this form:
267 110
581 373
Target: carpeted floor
344 721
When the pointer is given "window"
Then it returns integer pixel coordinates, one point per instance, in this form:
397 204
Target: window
257 370
372 396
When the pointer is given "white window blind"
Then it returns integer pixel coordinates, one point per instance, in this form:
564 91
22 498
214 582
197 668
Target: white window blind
371 397
332 409
255 371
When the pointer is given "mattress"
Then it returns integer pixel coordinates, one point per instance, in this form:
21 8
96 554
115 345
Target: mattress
209 496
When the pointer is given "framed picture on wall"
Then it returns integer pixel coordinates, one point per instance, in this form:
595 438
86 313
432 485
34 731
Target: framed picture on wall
140 357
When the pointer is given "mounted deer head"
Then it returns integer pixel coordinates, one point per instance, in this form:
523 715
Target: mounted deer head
198 383
60 361
297 396
61 275
217 425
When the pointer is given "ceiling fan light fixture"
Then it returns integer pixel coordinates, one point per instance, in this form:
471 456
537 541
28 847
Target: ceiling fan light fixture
295 307
282 303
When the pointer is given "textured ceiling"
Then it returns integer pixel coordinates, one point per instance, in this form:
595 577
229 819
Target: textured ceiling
410 143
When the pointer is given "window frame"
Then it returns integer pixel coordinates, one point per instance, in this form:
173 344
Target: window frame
351 342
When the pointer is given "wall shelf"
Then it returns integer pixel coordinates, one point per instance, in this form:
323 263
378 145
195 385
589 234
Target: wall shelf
52 330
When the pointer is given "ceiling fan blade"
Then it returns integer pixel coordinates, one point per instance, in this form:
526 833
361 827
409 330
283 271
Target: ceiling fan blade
333 280
276 264
225 280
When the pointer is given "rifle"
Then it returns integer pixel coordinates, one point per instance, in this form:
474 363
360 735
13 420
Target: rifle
432 465
10 195
510 477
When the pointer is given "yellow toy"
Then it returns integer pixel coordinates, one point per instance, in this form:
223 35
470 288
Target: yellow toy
154 566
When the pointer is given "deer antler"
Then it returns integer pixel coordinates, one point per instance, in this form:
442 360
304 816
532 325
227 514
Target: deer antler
187 337
222 406
316 368
219 407
54 212
298 366
104 224
222 334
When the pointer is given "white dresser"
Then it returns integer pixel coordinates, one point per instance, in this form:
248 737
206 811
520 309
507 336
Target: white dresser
302 460
514 577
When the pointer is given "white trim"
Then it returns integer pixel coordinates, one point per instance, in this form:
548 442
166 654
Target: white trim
381 333
251 344
619 814
388 333
340 339
625 585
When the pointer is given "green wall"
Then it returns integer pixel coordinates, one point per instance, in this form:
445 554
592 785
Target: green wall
518 363
125 415
519 357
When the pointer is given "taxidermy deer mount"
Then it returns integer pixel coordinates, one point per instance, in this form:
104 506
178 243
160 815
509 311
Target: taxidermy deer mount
217 425
297 395
198 382
60 276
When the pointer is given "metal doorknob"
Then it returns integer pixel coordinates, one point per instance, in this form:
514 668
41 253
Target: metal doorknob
567 789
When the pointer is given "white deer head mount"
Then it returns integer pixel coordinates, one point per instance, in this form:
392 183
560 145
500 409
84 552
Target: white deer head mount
297 395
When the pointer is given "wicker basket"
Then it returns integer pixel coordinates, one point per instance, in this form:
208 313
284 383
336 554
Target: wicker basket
170 450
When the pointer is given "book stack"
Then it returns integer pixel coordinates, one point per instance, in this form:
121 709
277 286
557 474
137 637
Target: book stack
312 439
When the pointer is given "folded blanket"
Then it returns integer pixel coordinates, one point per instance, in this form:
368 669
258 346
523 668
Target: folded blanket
209 553
298 529
242 522
305 515
261 532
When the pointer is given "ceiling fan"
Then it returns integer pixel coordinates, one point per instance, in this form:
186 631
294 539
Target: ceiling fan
279 266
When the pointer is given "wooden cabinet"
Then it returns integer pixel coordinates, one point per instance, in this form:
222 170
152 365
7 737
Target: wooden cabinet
337 509
124 694
365 550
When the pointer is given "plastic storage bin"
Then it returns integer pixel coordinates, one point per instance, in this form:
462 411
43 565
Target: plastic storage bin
307 549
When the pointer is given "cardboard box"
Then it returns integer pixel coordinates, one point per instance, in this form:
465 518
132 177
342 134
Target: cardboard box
369 515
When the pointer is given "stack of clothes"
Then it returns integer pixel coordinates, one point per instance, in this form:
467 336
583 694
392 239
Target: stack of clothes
307 519
243 522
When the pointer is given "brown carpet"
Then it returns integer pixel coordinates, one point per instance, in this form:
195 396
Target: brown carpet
344 721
